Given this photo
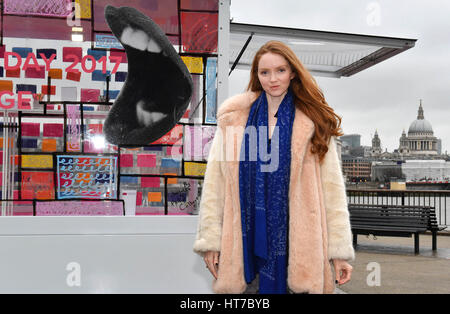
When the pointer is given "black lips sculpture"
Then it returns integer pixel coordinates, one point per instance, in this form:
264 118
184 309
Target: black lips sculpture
158 87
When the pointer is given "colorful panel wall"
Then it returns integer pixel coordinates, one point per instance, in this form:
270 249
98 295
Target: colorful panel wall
66 89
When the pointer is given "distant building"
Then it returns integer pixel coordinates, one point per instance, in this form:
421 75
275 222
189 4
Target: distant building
361 151
420 139
351 140
418 156
429 170
384 171
439 146
356 168
419 143
376 145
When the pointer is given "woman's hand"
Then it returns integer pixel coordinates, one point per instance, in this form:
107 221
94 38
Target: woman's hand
343 271
211 259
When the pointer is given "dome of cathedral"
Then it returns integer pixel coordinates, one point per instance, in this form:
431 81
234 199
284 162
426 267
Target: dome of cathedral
420 126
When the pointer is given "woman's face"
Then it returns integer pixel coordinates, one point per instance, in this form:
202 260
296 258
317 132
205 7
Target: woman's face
274 74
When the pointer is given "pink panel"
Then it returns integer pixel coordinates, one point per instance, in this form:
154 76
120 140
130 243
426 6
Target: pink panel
199 31
78 51
32 72
57 8
88 94
79 208
146 160
30 129
95 128
174 150
119 53
150 182
172 137
89 147
53 129
210 5
22 208
41 27
138 198
126 160
163 12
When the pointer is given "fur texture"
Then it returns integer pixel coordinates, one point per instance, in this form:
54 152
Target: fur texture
319 226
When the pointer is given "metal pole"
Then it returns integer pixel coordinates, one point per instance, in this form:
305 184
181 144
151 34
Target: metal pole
5 162
5 141
241 53
223 48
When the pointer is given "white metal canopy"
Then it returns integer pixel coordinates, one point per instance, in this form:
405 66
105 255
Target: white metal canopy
323 53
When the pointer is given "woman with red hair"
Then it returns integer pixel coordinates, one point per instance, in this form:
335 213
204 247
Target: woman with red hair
273 213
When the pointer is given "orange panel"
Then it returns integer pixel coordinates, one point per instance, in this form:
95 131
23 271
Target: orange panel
49 145
6 85
55 74
52 90
171 180
154 196
11 142
44 194
13 73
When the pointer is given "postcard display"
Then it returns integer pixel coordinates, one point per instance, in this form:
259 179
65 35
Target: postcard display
55 160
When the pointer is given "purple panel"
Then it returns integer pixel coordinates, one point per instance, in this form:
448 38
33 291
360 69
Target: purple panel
47 53
152 5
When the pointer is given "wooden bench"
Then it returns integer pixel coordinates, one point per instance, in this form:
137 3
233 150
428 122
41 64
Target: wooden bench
393 220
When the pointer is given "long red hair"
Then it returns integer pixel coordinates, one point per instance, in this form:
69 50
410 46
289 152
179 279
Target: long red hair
308 97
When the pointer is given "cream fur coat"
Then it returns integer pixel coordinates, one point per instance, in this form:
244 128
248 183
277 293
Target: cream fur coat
319 226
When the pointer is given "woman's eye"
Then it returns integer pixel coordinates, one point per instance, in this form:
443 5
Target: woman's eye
282 70
263 72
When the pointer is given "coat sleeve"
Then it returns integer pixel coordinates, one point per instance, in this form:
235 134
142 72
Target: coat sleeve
338 222
209 229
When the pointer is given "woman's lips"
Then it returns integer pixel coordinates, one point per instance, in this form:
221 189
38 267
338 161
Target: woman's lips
274 87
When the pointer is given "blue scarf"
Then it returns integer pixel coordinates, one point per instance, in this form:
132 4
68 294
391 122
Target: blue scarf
264 194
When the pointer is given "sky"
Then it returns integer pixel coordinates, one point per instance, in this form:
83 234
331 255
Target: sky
384 97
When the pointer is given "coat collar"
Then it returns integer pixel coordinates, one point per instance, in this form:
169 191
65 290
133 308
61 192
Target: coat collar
234 113
235 110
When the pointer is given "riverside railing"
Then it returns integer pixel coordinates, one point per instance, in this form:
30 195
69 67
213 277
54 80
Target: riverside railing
440 199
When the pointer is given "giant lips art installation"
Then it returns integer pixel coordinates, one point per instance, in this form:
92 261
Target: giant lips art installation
158 87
